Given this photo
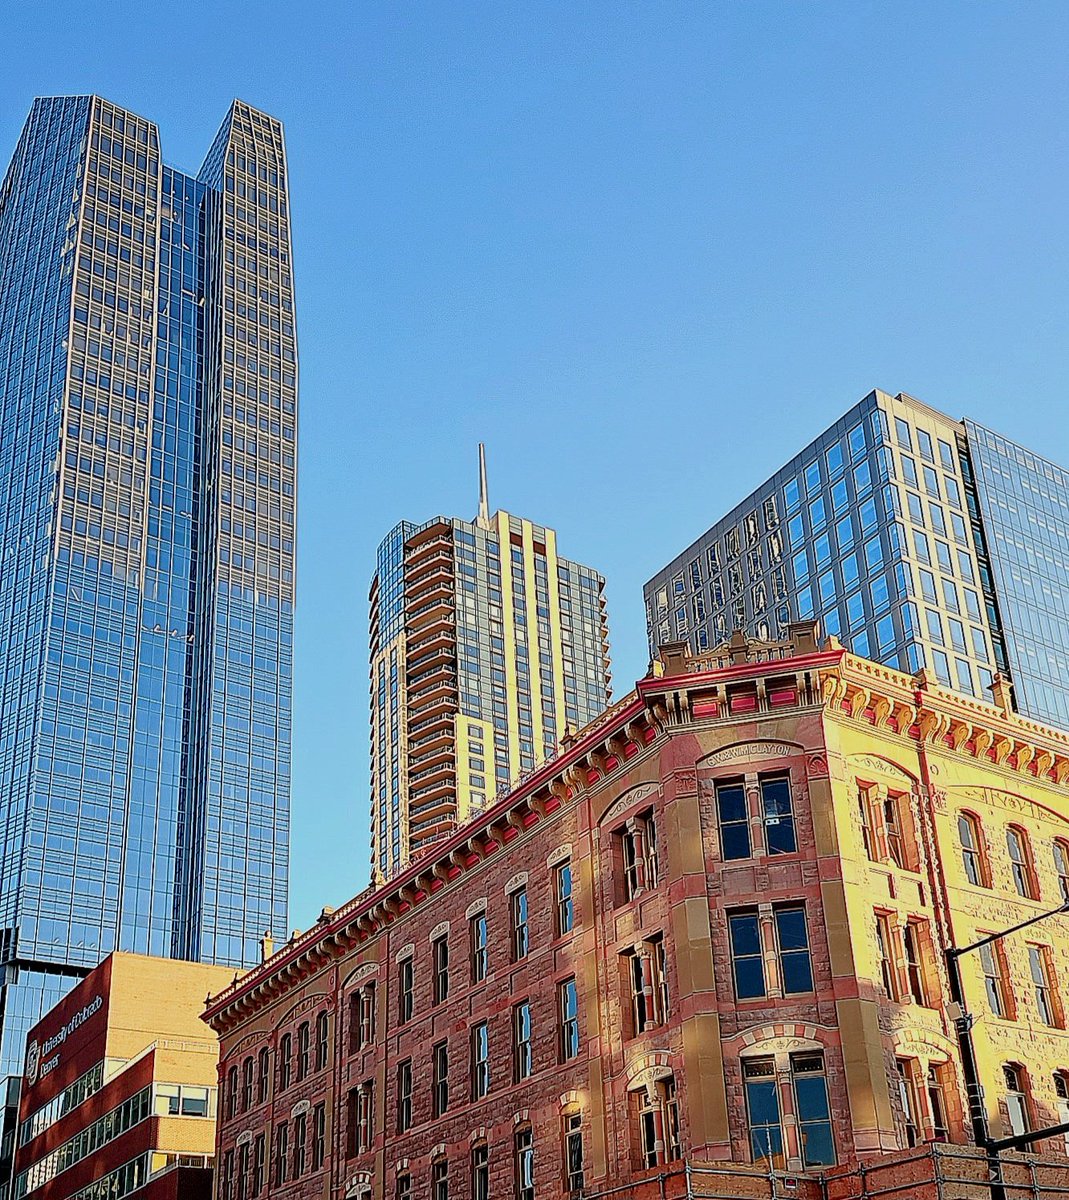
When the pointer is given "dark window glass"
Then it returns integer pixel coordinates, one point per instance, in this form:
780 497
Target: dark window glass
734 821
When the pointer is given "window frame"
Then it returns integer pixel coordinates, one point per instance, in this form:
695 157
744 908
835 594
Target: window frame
478 947
1022 868
522 1042
568 1041
519 924
564 892
974 855
440 1079
440 967
479 1065
736 826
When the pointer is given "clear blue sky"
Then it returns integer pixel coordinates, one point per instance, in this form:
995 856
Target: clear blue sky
644 251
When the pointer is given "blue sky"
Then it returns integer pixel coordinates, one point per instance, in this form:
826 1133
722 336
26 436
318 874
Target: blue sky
644 251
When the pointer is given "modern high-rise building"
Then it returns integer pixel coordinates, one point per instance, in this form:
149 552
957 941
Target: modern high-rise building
148 411
920 541
487 647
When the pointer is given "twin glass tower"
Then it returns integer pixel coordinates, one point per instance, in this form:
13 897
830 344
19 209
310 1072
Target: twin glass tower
148 413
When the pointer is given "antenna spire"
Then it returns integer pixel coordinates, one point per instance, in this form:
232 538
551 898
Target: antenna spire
484 505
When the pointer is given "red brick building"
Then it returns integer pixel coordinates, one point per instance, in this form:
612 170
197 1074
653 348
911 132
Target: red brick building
706 937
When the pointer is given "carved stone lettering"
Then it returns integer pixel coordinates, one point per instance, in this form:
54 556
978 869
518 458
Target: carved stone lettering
754 750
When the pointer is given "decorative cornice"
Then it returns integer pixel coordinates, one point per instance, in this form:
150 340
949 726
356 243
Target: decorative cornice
868 693
605 749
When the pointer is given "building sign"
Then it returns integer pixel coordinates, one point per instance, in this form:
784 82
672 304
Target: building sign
43 1058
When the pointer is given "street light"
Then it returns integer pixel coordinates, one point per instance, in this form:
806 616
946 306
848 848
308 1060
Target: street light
963 1023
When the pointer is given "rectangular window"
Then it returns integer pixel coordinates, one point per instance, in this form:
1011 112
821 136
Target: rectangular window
892 822
478 947
792 938
303 1056
362 1018
645 967
658 1117
1016 1100
480 1171
322 1040
907 1091
525 1188
913 937
573 1152
521 942
734 820
937 1103
1042 982
300 1136
285 1061
813 1110
746 956
884 945
404 1096
440 1179
568 1008
639 854
522 1055
763 1112
403 1189
778 815
864 805
319 1136
440 954
227 1188
405 989
480 1061
994 979
565 917
259 1161
440 1078
282 1152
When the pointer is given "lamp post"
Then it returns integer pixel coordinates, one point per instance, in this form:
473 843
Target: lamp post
963 1023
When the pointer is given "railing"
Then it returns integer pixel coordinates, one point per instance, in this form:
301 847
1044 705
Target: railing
712 1181
947 1172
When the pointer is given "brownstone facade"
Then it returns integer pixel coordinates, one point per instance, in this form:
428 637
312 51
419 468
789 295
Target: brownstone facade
709 934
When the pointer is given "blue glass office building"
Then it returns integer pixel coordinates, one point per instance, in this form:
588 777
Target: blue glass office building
920 541
148 391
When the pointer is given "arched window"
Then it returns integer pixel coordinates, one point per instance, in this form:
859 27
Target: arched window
246 1084
264 1083
322 1040
573 1148
1018 1107
658 1122
232 1091
303 1041
285 1061
439 1179
1061 866
480 1171
1021 862
972 854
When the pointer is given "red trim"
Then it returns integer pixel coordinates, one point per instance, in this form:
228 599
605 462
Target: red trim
644 688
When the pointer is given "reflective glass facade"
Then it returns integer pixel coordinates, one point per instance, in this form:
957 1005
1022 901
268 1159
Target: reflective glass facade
1024 502
919 541
486 647
147 441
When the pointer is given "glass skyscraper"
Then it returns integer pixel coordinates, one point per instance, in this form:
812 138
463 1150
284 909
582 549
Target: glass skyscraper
486 648
148 408
918 540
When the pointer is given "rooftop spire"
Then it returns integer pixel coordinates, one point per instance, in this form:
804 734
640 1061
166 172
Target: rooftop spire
484 506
